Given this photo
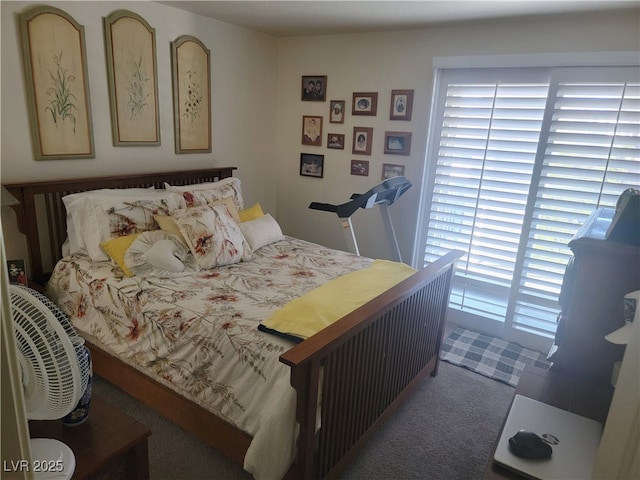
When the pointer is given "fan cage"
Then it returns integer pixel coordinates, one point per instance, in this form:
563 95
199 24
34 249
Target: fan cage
55 368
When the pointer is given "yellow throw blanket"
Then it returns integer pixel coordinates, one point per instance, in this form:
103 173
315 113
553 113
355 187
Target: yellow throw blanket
322 306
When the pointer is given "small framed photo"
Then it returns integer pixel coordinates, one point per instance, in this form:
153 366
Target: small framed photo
390 170
364 103
360 167
397 143
362 139
314 88
311 130
401 105
335 140
336 111
311 165
17 272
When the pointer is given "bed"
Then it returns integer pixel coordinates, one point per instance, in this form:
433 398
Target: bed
345 379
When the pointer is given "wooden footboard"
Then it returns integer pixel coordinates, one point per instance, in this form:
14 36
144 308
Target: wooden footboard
364 365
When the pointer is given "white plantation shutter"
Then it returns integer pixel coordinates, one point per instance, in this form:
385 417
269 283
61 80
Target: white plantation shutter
518 163
591 154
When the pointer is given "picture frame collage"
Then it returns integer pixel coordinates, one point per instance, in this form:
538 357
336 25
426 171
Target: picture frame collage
363 104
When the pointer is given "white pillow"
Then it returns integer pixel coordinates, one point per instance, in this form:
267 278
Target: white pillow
206 193
159 254
261 231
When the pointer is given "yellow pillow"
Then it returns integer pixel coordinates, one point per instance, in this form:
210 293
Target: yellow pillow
228 202
117 247
251 213
169 225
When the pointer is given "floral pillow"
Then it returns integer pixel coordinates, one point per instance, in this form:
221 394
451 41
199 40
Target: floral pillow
106 214
212 235
206 193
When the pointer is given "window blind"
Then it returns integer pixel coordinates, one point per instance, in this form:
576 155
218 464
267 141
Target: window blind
518 163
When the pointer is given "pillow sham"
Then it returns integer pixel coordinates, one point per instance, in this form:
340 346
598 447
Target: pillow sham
116 248
261 231
212 235
74 205
168 224
205 193
159 254
111 214
251 213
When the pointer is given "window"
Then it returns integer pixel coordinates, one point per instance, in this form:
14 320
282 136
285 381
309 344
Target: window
519 159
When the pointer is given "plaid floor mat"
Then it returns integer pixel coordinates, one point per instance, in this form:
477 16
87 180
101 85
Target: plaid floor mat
492 357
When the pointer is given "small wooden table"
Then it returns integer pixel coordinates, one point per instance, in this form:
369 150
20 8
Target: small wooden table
573 394
106 437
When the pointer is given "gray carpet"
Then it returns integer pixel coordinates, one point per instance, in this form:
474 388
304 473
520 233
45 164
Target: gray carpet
445 430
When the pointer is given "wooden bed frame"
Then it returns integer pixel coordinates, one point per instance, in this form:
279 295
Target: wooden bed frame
362 366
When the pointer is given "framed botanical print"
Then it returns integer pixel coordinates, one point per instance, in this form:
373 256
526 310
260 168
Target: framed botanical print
401 105
311 130
397 143
364 103
191 95
132 76
362 140
55 65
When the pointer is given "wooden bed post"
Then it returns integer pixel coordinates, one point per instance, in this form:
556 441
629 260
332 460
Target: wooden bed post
305 381
27 209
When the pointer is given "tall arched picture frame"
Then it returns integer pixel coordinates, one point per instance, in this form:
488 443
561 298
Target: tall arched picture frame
57 84
190 63
130 44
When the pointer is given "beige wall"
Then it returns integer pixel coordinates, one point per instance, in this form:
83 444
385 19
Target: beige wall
257 112
243 82
398 60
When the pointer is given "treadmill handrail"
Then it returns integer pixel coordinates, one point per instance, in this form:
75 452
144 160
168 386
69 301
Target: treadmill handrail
386 192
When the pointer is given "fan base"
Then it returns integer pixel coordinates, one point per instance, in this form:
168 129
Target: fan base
51 459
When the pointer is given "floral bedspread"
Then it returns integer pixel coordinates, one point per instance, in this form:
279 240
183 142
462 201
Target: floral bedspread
198 334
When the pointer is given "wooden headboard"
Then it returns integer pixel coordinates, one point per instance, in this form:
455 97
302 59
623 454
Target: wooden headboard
42 217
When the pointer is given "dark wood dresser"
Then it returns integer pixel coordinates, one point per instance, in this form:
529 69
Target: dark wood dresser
598 277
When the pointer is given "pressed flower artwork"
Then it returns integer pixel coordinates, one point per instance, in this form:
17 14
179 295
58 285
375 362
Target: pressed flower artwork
137 89
57 85
193 101
191 95
132 75
61 105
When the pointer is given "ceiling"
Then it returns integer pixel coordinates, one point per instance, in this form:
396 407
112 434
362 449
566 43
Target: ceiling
321 17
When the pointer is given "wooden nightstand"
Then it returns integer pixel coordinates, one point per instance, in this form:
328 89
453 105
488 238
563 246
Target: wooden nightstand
107 439
573 394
